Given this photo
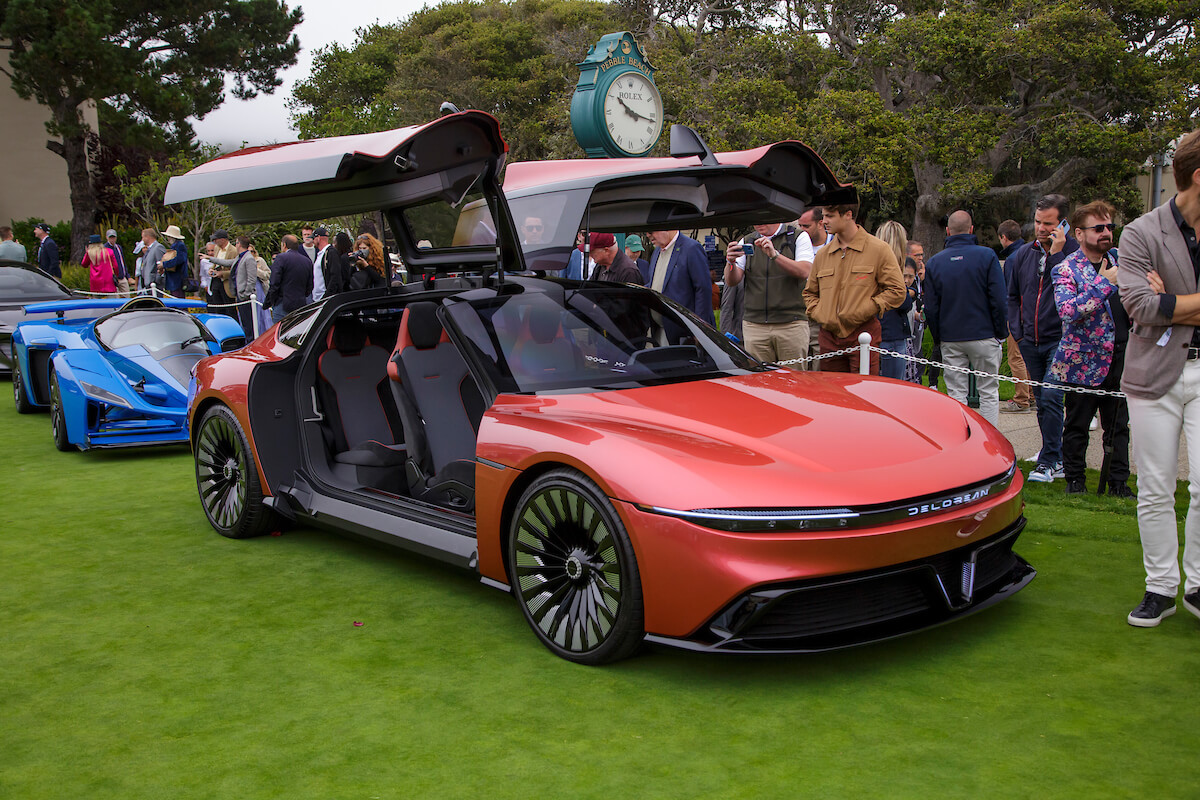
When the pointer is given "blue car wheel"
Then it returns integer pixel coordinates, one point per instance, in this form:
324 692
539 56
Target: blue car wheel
24 406
58 420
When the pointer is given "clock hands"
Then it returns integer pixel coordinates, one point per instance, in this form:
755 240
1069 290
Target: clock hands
631 112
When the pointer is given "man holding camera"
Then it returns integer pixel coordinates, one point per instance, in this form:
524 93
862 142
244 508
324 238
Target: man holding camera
775 263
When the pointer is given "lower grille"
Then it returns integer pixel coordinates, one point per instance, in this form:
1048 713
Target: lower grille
858 608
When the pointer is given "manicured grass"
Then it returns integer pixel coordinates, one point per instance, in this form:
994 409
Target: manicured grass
144 656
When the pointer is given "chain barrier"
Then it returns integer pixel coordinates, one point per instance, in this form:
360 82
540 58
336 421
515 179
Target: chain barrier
862 350
153 291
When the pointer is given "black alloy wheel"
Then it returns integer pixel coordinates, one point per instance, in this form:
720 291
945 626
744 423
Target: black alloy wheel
227 477
23 403
573 570
58 419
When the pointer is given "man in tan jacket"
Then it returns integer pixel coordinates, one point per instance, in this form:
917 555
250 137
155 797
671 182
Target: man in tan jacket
854 279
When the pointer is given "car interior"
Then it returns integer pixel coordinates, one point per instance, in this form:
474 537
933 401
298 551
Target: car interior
394 407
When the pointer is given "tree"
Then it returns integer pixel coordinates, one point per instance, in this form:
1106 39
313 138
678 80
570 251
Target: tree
992 103
143 196
513 59
926 105
154 62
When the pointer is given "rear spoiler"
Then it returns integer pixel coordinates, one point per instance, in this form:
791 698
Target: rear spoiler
102 303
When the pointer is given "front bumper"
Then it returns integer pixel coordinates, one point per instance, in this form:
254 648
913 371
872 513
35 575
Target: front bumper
849 610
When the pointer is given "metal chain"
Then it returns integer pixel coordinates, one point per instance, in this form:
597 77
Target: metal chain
941 365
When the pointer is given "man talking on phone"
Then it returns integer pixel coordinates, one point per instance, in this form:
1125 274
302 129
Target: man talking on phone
1034 322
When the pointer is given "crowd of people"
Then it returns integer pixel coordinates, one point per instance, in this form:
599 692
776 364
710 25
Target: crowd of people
229 271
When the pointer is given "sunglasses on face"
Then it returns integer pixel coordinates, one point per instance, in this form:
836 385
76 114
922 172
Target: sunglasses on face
533 227
1106 226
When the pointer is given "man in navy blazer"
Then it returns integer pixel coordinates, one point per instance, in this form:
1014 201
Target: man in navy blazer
682 274
291 279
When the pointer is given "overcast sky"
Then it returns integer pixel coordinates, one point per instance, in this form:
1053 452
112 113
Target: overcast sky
265 119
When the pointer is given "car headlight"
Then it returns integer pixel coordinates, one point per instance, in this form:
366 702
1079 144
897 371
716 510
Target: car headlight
749 520
103 395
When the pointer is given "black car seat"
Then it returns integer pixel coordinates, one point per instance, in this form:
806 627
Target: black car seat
354 375
440 407
545 351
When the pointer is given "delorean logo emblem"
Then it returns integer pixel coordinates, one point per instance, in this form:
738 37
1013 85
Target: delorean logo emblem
949 502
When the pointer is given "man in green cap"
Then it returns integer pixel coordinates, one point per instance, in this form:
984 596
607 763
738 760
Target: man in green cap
634 249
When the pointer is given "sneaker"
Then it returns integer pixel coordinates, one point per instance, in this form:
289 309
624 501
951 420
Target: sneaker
1154 609
1076 487
1013 407
1192 602
1120 490
1042 475
1057 470
1095 423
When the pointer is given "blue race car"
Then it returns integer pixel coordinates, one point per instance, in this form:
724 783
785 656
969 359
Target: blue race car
119 376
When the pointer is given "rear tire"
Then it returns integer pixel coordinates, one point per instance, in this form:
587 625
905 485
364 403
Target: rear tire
573 570
58 419
22 401
227 477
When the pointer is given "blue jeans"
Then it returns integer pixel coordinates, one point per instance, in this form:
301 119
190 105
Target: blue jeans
890 366
1049 401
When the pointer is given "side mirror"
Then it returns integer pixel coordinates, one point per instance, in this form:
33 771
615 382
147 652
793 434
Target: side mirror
233 343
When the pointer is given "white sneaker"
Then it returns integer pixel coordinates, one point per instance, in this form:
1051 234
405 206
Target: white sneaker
1042 475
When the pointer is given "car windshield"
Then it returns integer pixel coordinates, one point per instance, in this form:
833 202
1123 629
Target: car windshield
564 335
162 332
17 283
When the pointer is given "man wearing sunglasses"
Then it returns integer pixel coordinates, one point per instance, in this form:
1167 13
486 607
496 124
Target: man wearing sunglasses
1091 352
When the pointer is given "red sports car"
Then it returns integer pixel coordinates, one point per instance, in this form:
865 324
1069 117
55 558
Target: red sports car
619 466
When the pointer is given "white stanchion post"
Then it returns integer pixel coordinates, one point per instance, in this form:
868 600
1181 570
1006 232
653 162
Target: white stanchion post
864 353
153 289
254 321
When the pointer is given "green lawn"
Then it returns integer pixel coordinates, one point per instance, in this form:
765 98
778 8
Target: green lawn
143 656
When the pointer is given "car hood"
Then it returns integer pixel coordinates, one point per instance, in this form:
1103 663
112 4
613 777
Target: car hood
774 439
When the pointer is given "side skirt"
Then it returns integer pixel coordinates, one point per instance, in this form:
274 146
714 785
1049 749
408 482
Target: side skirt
387 527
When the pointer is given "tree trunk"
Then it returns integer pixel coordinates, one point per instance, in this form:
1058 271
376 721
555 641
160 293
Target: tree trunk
927 228
83 200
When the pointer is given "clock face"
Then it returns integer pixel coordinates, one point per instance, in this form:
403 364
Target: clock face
633 112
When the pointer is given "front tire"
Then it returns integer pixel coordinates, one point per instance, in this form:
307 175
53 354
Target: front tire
58 418
22 401
573 570
227 477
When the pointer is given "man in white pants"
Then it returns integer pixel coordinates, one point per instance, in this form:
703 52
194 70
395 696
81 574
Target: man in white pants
1159 280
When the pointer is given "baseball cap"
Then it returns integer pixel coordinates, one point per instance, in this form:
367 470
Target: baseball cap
111 233
321 231
634 243
602 240
95 239
220 233
43 226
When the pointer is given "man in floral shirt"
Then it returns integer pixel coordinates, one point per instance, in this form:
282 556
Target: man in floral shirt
1091 352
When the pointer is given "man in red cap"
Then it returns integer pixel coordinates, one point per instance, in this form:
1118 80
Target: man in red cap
611 262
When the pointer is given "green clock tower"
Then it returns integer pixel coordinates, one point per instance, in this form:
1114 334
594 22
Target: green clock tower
616 111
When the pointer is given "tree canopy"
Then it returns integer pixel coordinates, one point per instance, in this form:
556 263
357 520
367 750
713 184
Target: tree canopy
154 63
926 105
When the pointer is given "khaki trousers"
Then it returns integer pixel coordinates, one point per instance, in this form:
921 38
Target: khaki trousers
775 342
1023 395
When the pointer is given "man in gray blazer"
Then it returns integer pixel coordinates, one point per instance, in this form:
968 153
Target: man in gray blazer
1159 279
